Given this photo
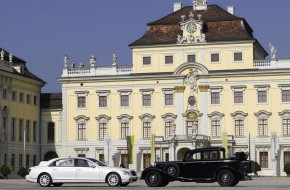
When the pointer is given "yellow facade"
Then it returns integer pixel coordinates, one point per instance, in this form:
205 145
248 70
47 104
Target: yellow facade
20 114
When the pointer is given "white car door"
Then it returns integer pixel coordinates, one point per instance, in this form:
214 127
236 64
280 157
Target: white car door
64 170
86 171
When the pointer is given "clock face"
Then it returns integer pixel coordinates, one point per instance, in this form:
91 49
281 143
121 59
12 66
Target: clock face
191 27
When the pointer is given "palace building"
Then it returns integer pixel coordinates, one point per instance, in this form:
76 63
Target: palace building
20 113
199 78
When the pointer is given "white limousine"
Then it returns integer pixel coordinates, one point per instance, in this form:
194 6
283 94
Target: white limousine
83 170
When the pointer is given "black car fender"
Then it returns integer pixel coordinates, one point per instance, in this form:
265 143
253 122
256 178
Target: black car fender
227 168
162 173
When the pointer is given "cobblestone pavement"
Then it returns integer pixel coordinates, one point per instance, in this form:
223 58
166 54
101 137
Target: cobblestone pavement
262 183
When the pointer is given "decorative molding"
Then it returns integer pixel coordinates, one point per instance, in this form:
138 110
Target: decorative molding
147 115
216 113
189 65
263 112
103 116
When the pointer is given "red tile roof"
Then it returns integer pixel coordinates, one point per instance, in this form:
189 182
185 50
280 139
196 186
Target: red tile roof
219 25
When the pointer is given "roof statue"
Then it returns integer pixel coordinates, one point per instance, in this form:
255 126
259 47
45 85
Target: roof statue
65 60
2 54
93 61
10 57
273 51
115 59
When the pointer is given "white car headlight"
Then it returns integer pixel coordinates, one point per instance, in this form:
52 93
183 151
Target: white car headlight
126 172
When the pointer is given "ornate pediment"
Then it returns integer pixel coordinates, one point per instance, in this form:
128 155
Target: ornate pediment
192 30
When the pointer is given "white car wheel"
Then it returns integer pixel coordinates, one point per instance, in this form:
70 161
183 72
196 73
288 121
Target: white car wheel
44 180
114 179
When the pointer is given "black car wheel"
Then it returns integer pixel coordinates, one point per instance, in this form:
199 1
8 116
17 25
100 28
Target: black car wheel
57 184
226 178
44 180
153 179
164 183
172 169
124 184
113 179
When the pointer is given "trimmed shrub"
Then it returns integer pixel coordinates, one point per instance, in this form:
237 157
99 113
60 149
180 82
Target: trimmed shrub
5 170
22 172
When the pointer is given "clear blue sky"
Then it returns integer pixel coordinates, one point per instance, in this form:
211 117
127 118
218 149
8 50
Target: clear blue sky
42 31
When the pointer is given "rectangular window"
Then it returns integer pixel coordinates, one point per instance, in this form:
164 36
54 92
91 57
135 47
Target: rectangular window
27 161
191 127
13 127
21 97
13 162
14 96
20 162
262 96
146 160
146 100
263 127
190 58
27 132
286 157
238 56
146 60
169 59
146 129
81 102
124 160
239 128
34 131
215 98
238 97
4 123
4 94
286 127
168 99
264 159
124 100
103 101
34 160
81 132
20 130
215 128
28 97
124 130
167 129
285 95
103 132
50 132
166 156
215 58
35 100
101 158
5 158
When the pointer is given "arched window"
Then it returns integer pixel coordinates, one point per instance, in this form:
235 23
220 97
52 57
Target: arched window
168 120
125 125
81 123
239 123
215 119
103 124
262 120
146 120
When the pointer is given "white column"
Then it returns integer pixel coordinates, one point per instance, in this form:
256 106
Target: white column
64 148
179 91
203 124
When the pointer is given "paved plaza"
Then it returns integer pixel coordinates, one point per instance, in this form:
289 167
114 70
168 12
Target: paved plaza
257 183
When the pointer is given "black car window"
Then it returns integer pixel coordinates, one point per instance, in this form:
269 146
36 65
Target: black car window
64 162
82 163
196 156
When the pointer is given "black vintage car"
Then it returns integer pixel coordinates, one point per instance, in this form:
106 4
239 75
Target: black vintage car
202 165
